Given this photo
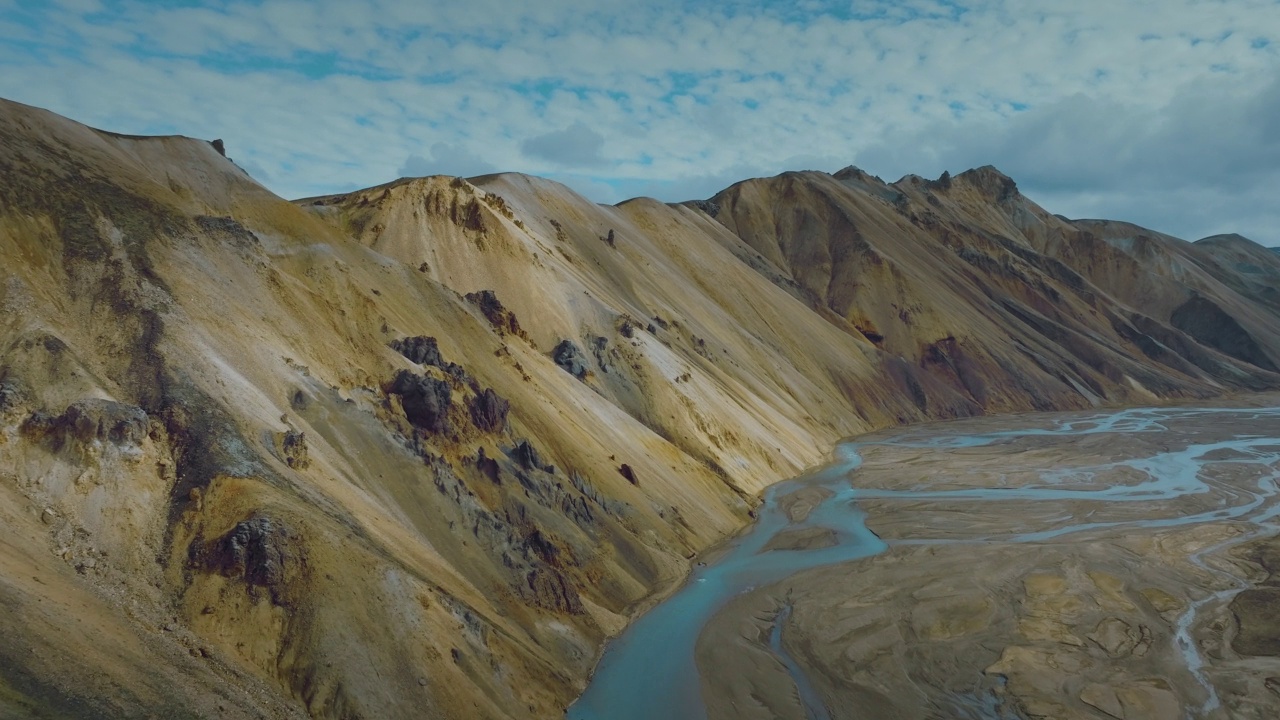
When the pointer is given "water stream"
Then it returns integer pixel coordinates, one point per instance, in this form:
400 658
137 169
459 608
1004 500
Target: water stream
649 671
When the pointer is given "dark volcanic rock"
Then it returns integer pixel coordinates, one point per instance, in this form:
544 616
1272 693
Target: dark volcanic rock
527 456
600 349
548 588
489 468
420 349
425 400
570 357
497 315
991 182
104 420
707 206
489 411
424 351
626 472
260 551
292 448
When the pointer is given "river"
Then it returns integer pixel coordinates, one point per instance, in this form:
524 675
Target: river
649 672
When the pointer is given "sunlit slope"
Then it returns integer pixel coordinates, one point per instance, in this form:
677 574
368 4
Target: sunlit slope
418 450
202 428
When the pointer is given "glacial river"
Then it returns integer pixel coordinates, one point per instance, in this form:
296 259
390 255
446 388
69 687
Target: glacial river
649 672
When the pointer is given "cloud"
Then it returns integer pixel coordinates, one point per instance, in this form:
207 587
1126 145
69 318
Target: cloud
1095 104
575 146
446 159
1205 162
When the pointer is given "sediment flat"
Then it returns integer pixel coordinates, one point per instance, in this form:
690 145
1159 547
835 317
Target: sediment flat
1039 566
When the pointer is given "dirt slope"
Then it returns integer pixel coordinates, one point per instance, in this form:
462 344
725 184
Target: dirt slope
418 450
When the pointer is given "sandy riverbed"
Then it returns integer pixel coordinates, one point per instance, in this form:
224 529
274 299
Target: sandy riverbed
1027 576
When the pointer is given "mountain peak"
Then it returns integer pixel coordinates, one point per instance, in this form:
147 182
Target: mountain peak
1226 238
990 182
852 172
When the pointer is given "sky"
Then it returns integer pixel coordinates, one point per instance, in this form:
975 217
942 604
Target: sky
1165 113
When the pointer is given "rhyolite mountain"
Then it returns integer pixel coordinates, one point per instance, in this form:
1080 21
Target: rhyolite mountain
419 450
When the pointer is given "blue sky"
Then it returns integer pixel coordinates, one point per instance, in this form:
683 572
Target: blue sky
1163 113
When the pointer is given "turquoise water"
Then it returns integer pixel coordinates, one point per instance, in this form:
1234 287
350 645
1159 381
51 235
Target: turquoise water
649 673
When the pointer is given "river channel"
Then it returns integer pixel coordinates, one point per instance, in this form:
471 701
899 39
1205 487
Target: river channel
1085 490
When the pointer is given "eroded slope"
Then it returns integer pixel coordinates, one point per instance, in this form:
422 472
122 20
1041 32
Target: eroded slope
418 450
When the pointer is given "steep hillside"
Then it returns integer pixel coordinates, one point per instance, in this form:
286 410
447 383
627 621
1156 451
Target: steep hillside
419 450
972 281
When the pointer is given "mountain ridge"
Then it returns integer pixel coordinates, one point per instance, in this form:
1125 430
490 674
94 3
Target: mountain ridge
421 448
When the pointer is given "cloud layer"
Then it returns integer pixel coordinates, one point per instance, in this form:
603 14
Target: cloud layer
1165 113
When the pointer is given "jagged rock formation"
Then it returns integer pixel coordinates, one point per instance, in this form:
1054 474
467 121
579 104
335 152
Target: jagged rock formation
261 458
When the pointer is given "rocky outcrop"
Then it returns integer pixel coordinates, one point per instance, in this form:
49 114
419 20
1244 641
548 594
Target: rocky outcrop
105 420
571 359
419 349
260 551
627 472
502 319
425 400
526 455
548 589
89 421
489 411
291 446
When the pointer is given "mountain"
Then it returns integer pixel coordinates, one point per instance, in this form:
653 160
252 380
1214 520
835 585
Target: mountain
420 449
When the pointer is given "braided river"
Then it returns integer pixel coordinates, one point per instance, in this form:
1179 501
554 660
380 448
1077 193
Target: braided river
1077 564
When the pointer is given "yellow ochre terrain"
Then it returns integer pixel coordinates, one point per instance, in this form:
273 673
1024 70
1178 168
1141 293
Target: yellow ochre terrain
419 450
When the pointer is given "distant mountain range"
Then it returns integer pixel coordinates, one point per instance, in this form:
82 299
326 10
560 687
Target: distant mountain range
419 450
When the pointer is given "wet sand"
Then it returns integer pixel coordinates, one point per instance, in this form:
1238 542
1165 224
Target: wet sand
1065 575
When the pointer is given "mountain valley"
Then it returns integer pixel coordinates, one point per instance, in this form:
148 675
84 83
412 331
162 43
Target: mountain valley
422 449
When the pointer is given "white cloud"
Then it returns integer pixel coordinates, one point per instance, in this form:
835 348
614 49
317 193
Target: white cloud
1118 102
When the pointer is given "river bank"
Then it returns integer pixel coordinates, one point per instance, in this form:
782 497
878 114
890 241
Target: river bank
997 567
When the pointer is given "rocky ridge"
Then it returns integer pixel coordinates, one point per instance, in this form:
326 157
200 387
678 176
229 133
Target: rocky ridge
420 449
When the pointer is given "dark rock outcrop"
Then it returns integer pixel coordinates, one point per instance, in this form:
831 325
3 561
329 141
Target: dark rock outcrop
420 349
291 446
92 420
489 467
707 206
493 310
548 588
570 357
992 183
489 411
528 458
626 472
260 551
600 349
425 400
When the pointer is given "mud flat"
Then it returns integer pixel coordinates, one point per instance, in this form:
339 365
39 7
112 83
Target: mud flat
1083 565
